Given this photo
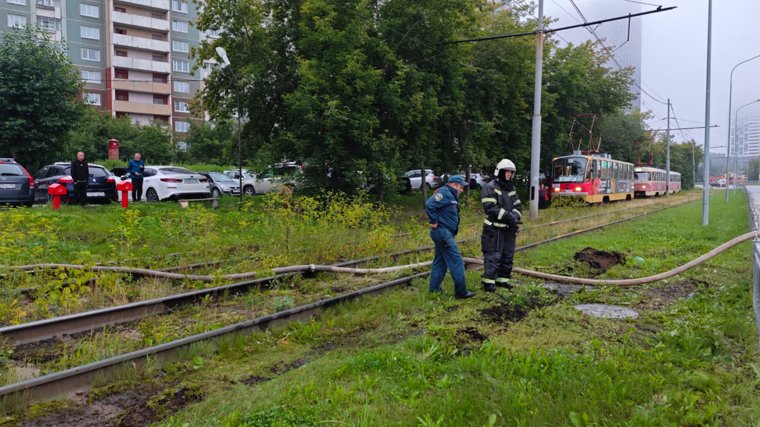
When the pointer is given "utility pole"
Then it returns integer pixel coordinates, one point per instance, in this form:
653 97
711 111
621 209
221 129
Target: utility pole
535 145
706 174
667 154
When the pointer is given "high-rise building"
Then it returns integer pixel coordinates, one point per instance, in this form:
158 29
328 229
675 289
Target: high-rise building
746 139
133 55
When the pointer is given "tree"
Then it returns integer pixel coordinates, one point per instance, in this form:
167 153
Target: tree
213 143
91 133
38 89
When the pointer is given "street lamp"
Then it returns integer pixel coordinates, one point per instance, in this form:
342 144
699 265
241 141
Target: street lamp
736 125
226 60
728 145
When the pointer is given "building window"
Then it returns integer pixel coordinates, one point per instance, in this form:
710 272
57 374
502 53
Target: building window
156 15
120 9
159 57
16 20
46 4
181 66
92 98
89 32
89 10
159 78
183 87
121 73
121 31
179 26
160 99
159 37
178 46
91 76
120 52
50 24
180 126
122 95
182 145
18 2
212 33
90 54
181 107
179 6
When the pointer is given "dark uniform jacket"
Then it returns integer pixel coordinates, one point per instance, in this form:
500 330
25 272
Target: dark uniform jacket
80 171
500 200
443 209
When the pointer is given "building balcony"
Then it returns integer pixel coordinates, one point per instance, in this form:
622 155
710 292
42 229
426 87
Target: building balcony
146 87
140 43
139 21
141 64
149 4
142 108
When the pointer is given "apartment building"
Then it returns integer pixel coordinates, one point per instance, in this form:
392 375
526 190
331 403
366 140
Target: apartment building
133 55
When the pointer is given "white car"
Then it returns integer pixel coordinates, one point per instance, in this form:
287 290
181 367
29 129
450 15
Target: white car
173 182
277 178
414 177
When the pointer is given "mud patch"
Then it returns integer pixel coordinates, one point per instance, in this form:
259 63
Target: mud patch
601 261
42 351
501 313
255 379
661 296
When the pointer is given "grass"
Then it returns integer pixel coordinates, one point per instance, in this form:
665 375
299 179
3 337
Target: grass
403 359
407 357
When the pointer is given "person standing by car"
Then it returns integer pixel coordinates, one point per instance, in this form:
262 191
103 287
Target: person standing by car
80 173
443 212
503 214
136 169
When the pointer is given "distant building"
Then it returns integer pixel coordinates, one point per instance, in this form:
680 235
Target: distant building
133 55
746 136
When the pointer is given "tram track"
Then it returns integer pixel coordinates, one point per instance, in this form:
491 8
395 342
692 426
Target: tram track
77 378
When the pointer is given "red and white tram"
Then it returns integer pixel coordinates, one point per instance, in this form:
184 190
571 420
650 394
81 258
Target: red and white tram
596 178
651 182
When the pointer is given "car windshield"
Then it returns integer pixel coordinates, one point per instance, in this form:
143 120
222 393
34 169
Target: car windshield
176 170
220 177
642 176
95 172
7 169
569 169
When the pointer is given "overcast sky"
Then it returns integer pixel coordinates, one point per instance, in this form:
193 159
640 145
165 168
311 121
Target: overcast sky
674 58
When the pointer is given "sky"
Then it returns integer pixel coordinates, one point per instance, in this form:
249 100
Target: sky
674 58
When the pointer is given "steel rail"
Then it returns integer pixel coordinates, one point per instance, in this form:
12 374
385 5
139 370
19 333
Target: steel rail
39 330
77 379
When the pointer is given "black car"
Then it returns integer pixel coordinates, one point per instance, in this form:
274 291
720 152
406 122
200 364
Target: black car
101 186
16 185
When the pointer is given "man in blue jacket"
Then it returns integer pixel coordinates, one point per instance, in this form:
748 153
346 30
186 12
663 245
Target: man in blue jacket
136 168
443 212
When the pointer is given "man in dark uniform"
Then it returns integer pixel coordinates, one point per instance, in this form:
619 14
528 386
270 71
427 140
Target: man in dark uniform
503 214
80 173
443 211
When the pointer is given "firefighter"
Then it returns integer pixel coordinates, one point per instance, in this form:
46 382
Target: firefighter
503 214
443 213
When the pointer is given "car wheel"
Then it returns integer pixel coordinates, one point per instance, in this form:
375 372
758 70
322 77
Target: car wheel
248 190
215 193
151 195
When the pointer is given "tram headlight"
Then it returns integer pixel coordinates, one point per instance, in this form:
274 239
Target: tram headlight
578 189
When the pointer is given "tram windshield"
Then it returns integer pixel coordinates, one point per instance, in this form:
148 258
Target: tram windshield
642 176
570 169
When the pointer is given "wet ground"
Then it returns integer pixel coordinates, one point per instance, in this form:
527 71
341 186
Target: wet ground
600 261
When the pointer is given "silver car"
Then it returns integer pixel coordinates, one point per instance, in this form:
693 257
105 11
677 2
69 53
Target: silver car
221 184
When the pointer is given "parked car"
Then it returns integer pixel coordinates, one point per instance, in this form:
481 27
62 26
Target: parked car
278 177
101 186
413 178
16 185
173 182
221 184
478 180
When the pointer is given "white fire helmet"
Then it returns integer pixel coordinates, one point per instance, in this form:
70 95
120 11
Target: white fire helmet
504 164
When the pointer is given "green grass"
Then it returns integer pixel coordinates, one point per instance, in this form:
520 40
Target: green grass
403 358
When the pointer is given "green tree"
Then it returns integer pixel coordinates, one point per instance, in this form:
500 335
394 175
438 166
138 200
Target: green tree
214 143
92 132
38 89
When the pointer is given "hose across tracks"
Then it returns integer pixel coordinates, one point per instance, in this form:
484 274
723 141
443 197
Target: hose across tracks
477 261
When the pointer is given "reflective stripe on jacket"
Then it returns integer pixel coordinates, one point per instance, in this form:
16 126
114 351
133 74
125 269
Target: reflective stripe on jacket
498 202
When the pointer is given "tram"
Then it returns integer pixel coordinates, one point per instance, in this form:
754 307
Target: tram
596 178
651 181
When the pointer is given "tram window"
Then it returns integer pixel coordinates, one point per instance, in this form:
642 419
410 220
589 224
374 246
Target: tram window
569 169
